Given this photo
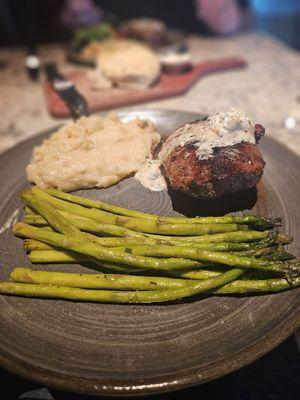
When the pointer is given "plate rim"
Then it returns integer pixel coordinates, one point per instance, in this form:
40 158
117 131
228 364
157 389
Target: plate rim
154 385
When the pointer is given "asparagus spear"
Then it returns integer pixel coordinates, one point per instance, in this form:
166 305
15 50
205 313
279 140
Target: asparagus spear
131 282
267 253
98 252
256 238
257 252
31 245
56 256
262 285
162 228
62 257
98 215
196 274
53 217
237 237
79 243
136 259
284 238
279 256
259 222
41 255
60 224
113 296
87 225
196 241
233 260
96 281
29 211
158 227
92 226
155 227
82 211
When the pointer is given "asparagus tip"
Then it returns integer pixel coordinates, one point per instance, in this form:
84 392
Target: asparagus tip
284 239
17 226
269 240
291 268
264 223
24 192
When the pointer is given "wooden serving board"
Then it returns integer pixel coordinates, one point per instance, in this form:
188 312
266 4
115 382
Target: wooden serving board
168 85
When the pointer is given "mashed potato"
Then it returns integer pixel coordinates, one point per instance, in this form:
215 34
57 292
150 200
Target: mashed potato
92 152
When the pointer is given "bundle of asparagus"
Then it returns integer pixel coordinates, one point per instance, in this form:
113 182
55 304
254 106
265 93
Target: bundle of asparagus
216 255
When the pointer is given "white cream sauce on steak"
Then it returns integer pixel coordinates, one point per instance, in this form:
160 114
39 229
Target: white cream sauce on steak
219 130
150 176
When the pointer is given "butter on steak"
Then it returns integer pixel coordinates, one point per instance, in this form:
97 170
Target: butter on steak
211 158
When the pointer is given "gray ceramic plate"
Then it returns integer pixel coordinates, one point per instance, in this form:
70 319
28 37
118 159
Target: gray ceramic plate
120 349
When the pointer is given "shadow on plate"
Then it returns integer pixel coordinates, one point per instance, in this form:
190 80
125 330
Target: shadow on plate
192 207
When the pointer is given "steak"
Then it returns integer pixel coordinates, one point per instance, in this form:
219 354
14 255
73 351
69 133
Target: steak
229 169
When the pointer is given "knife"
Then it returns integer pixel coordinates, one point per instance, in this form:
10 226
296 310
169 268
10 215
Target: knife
66 91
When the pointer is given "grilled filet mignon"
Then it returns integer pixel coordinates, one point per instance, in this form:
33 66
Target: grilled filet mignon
227 169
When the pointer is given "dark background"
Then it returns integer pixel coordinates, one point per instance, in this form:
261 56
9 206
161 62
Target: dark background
23 21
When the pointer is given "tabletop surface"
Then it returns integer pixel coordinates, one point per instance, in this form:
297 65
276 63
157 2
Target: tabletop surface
267 89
